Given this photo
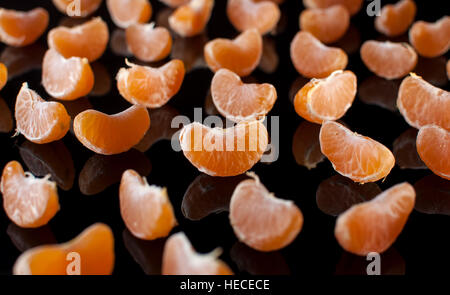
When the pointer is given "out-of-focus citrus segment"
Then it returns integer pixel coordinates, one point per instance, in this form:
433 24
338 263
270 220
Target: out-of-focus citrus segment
190 19
28 201
431 39
87 7
3 75
395 19
353 6
149 43
125 13
248 14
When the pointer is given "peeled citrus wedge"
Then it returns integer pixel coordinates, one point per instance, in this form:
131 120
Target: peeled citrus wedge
431 39
151 87
433 146
149 43
180 258
326 99
422 104
326 24
66 78
191 18
353 6
145 209
373 226
19 28
387 59
38 120
3 75
224 152
262 221
125 13
111 134
28 201
313 59
93 249
87 7
355 156
249 14
395 19
238 101
240 55
88 40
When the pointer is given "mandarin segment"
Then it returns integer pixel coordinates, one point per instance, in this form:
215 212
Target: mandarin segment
262 221
145 209
28 201
238 101
191 19
353 6
148 43
95 247
313 59
395 19
111 134
3 75
240 55
180 258
387 59
87 7
357 157
373 226
248 14
431 39
125 13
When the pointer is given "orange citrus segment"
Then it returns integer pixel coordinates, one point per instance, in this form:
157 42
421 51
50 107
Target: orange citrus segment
249 14
387 59
149 43
421 103
88 40
373 226
151 87
95 247
111 134
313 59
38 120
18 28
353 6
180 258
145 209
28 201
238 101
87 7
262 221
433 146
224 152
355 156
431 39
66 79
326 99
3 75
190 19
394 19
125 13
326 24
240 55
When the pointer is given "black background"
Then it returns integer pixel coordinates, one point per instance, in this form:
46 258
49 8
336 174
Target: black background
422 247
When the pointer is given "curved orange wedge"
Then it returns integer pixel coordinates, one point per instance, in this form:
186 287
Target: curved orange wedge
431 39
249 14
125 13
395 19
191 18
87 7
149 43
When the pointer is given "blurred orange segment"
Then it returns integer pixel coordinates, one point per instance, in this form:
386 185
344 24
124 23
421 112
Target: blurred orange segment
38 120
355 156
313 59
262 221
191 19
148 43
395 19
19 28
326 24
28 201
238 101
431 39
224 152
111 134
88 40
93 249
3 75
145 209
373 226
421 103
433 146
248 14
125 13
240 55
180 258
66 79
326 99
150 87
387 59
353 6
87 7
